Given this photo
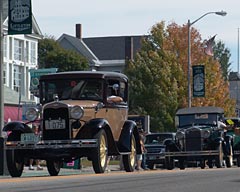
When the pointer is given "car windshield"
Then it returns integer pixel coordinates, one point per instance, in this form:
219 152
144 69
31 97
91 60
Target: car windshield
197 119
157 138
75 89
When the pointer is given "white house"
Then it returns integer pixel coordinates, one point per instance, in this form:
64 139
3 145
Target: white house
20 53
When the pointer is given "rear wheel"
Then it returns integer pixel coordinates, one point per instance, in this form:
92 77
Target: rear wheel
229 156
169 161
150 166
100 154
129 161
182 164
15 163
238 161
53 167
202 164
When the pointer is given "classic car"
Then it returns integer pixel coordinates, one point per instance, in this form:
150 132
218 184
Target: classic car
200 138
81 114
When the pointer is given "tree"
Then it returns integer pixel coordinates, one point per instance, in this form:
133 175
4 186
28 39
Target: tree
155 78
223 55
52 55
158 76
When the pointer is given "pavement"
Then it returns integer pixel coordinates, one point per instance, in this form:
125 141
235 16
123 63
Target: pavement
63 171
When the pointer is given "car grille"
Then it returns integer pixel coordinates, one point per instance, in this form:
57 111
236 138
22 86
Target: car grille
154 150
193 140
55 133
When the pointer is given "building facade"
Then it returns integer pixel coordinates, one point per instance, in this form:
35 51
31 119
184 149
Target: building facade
20 54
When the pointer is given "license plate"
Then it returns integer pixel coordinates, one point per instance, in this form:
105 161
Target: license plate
29 137
55 124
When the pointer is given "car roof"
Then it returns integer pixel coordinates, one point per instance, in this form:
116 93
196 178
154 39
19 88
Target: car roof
194 110
85 74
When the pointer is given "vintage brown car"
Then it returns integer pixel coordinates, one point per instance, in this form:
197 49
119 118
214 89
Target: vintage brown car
81 114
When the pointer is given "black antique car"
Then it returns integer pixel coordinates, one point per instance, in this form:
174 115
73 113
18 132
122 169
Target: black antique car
200 138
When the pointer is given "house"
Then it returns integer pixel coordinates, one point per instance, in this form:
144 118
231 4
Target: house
20 53
103 53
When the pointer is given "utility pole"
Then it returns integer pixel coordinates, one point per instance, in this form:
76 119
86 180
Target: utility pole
1 70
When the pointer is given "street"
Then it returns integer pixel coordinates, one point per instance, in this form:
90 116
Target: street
197 180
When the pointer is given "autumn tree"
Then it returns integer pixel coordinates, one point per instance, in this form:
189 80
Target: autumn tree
158 76
52 55
155 78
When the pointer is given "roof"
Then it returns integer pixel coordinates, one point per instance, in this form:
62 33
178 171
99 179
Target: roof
84 74
194 110
72 43
114 48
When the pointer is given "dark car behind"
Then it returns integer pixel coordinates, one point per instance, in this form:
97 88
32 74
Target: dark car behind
155 144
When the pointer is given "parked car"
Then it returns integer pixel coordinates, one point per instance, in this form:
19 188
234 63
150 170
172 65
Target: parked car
81 114
155 144
200 138
233 130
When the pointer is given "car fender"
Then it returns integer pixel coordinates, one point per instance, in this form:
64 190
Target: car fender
17 128
124 143
92 127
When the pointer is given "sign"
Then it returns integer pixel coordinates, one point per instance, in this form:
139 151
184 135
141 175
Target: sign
142 122
19 17
35 76
198 81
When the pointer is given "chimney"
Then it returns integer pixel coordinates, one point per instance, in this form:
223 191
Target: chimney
79 31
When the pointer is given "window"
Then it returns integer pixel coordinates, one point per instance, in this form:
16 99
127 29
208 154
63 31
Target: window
17 79
33 53
27 52
18 50
4 74
5 46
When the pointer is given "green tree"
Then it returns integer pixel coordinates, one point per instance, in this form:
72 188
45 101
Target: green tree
222 54
154 81
52 55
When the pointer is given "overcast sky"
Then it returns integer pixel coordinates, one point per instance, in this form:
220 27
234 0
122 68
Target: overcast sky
101 18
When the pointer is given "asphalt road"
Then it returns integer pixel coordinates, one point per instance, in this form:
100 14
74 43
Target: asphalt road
189 180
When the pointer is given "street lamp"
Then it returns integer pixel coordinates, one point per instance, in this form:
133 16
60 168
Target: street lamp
222 13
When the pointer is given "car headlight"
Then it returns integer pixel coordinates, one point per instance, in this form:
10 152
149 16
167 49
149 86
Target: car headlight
180 135
206 134
32 114
76 112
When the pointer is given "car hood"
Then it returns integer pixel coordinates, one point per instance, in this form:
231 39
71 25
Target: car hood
82 103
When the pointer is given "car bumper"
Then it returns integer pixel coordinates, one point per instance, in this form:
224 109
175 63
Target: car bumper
52 144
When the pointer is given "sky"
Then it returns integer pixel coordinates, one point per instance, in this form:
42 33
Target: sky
103 18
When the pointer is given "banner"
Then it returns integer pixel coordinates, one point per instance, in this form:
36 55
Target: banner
19 17
35 76
198 81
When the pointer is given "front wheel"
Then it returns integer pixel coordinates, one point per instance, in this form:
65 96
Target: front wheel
15 159
15 163
129 161
219 159
100 154
53 167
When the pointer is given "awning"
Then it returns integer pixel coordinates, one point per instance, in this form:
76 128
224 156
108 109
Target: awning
12 113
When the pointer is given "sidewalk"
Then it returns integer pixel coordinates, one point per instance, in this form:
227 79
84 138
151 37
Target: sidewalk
63 171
